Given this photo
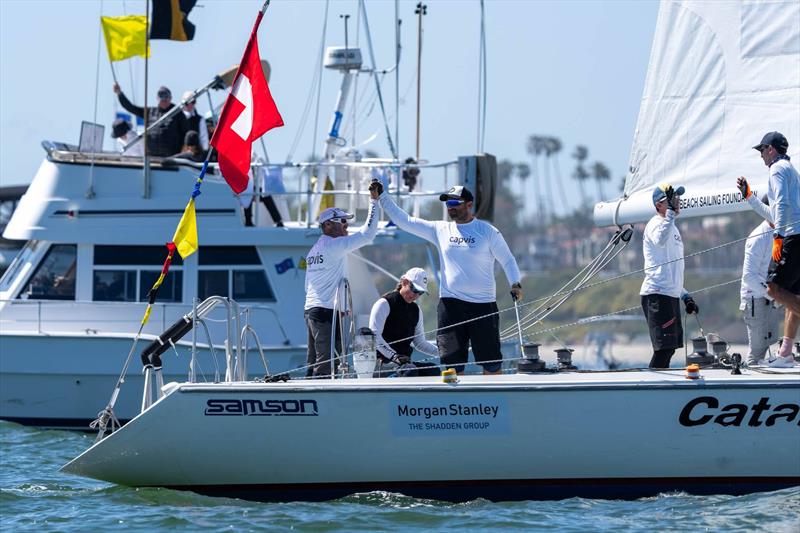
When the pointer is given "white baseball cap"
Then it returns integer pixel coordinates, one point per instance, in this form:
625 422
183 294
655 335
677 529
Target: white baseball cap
418 278
334 212
187 95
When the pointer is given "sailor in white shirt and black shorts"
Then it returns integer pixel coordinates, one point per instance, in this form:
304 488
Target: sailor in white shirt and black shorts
662 287
468 249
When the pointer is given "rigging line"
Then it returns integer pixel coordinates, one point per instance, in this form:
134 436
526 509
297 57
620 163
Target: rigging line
377 85
319 87
130 67
551 309
482 74
628 309
608 245
90 188
304 117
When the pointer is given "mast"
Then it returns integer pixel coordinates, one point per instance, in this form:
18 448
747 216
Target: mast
146 159
421 10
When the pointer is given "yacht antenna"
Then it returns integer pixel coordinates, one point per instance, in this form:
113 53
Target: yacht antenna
397 23
421 11
146 158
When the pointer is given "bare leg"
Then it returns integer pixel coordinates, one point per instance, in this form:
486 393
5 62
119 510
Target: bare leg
487 373
787 299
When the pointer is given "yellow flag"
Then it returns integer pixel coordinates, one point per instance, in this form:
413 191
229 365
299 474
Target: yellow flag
327 199
125 36
185 237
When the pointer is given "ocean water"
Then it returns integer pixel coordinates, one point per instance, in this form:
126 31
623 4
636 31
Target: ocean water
35 496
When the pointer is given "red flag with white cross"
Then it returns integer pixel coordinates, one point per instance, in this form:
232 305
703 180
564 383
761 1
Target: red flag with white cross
249 113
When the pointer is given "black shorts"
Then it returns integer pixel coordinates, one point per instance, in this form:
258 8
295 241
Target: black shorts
786 273
484 334
663 314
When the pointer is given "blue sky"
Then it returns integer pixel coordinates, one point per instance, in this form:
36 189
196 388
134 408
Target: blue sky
573 69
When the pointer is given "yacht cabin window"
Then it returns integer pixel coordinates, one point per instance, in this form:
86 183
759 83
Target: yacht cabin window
54 278
126 273
233 271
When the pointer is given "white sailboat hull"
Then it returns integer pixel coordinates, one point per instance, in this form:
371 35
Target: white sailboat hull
609 435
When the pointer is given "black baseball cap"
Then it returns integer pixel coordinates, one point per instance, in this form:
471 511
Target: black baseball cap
775 139
459 192
120 128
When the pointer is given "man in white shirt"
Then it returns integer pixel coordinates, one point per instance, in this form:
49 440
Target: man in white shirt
759 311
662 288
783 280
468 249
397 322
326 266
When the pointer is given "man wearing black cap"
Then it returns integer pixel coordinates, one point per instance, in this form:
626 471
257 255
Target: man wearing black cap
783 280
165 139
468 248
662 288
191 148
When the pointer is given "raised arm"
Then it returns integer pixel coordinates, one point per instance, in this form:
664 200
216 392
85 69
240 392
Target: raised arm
757 205
363 236
135 109
663 229
416 226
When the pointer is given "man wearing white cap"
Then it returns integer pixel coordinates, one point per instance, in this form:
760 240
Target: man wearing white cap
662 288
397 323
468 249
326 267
194 122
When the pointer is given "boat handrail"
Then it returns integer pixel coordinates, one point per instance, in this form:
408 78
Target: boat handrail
304 186
164 309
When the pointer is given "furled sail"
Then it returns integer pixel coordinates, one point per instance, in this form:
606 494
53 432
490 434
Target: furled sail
722 73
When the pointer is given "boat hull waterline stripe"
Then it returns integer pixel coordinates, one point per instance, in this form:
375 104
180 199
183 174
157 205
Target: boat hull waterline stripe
140 212
502 490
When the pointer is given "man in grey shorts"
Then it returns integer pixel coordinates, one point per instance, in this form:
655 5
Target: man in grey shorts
758 309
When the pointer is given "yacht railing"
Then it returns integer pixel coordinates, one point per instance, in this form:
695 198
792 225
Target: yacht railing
48 317
303 185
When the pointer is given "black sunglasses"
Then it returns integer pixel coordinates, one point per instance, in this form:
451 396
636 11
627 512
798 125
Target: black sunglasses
338 220
415 291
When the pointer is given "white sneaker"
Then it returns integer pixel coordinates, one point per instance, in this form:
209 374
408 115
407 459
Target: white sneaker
761 362
782 362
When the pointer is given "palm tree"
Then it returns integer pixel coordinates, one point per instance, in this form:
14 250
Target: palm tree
601 173
505 169
580 155
535 147
553 147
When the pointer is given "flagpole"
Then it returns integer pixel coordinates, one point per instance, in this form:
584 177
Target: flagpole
146 161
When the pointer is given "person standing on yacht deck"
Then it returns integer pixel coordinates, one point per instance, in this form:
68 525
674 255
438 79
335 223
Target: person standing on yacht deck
758 309
167 138
468 248
662 288
326 267
397 323
783 280
194 121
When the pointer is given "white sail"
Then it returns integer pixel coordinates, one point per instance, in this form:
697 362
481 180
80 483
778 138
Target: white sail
721 75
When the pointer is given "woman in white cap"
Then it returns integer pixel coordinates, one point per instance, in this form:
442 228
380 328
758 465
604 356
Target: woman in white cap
326 266
396 320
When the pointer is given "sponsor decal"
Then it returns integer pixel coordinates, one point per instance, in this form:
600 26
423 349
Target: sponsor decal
434 417
315 259
261 408
709 200
458 241
764 413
